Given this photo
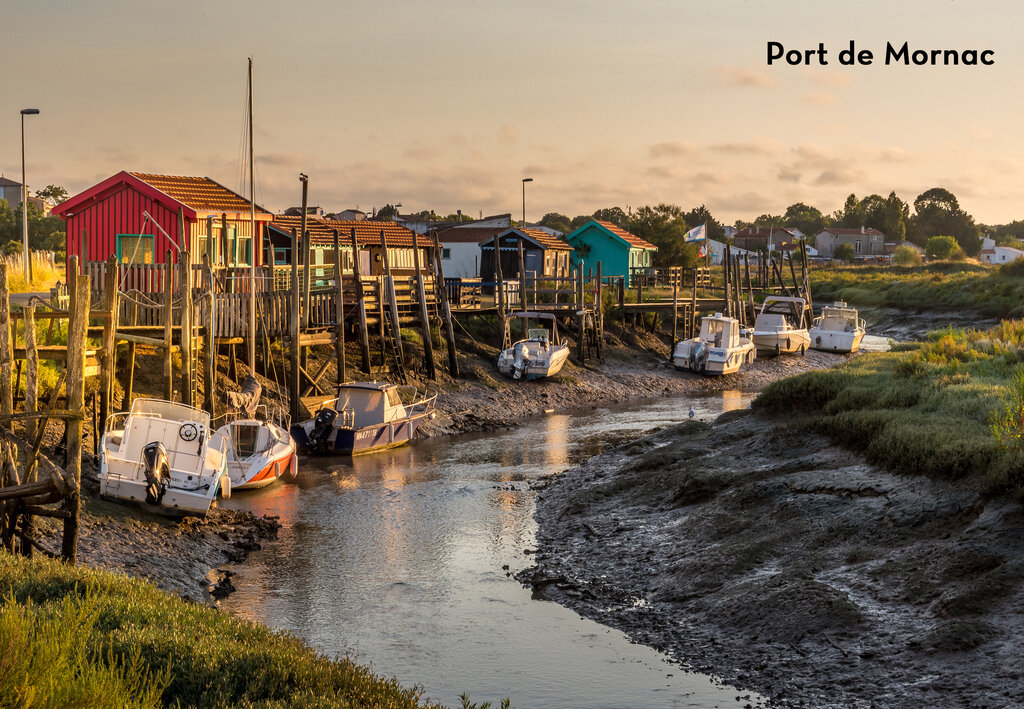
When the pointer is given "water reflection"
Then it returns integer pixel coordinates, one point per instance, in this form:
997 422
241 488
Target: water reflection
403 559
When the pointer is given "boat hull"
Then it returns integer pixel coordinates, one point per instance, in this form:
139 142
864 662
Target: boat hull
359 441
784 342
719 361
265 467
534 370
832 341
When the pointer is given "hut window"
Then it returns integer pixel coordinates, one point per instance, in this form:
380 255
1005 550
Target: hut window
203 246
446 253
134 249
243 251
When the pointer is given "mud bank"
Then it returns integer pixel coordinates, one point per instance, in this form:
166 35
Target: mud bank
786 565
905 325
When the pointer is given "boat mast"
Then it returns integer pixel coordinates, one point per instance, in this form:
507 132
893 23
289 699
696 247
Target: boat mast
252 241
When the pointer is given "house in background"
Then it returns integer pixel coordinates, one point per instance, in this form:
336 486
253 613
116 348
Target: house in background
353 215
764 238
401 257
109 219
460 249
310 211
617 249
990 253
543 254
10 192
865 241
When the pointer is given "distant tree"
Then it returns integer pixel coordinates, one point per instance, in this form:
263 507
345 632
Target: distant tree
664 226
615 215
851 216
554 220
1005 234
906 256
807 219
579 221
52 194
768 220
937 212
940 247
386 213
844 252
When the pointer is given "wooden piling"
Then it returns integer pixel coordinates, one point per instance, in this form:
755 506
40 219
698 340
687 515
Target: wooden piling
581 315
109 350
31 368
185 338
441 291
6 347
168 324
339 310
209 348
78 325
499 293
599 314
675 311
389 283
306 252
364 335
293 331
421 294
228 285
693 307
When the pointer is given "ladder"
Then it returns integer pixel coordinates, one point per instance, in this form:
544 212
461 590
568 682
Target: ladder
390 345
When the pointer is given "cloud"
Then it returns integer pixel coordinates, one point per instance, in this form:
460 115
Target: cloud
753 147
508 133
838 176
422 152
789 174
662 172
895 155
822 99
671 149
744 78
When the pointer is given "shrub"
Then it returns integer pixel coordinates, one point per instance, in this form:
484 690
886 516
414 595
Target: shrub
844 252
940 248
906 256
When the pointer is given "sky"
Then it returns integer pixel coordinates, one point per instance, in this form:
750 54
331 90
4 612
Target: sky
448 104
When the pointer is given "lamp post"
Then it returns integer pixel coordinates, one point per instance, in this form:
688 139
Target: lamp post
394 217
525 180
24 194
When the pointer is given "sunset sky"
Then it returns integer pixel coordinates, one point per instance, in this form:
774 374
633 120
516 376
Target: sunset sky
447 104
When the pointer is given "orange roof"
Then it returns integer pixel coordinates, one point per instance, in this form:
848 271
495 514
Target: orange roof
200 193
321 230
632 239
469 234
546 240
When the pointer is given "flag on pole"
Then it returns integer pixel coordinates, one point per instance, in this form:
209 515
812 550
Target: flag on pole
698 233
702 251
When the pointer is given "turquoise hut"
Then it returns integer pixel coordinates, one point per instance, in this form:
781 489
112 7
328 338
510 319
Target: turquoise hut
616 249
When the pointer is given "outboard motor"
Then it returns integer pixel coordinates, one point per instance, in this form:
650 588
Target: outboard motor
154 460
521 362
323 424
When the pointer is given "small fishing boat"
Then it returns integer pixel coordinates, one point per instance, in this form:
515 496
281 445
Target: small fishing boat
718 349
539 355
366 417
838 329
781 326
162 454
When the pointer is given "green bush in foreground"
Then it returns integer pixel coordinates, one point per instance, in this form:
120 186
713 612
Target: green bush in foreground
87 638
951 407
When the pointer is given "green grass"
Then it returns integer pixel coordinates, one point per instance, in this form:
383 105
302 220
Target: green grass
951 407
88 638
952 285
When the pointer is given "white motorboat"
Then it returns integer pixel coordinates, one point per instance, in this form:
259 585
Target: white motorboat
539 355
258 450
364 418
162 454
718 349
838 329
781 326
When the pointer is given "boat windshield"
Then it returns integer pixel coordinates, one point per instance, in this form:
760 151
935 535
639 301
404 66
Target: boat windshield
537 333
158 408
712 331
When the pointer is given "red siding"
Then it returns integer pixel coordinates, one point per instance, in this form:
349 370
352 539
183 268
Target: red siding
120 212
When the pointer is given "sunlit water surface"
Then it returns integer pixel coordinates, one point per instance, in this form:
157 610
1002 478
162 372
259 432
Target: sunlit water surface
398 559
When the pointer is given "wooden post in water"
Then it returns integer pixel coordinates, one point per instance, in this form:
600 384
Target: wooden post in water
168 324
31 369
293 330
209 348
78 325
339 310
364 335
110 305
441 289
6 347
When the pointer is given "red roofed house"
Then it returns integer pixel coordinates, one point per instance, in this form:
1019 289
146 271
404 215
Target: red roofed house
401 257
617 249
866 241
110 218
543 254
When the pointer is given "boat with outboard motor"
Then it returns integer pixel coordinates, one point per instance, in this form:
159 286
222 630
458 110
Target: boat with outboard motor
365 417
718 349
161 454
539 355
838 329
781 326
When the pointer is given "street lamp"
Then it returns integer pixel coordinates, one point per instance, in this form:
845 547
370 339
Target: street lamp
395 216
24 194
525 180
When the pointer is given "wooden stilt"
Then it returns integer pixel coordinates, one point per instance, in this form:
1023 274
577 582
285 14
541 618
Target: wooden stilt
599 314
293 329
110 305
209 348
78 325
168 324
692 325
364 335
185 338
31 368
441 294
6 347
339 309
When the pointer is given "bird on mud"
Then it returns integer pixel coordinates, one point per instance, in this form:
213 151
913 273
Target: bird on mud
692 412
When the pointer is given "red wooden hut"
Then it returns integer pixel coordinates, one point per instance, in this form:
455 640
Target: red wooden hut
121 215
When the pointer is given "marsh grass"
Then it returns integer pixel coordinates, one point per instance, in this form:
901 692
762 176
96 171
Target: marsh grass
88 638
951 407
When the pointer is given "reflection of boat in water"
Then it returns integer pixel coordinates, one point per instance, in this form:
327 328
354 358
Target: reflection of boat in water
364 418
838 329
163 455
718 349
539 355
781 326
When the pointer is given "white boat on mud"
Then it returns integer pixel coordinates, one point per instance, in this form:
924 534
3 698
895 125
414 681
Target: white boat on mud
365 417
539 355
838 329
718 349
162 454
781 326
